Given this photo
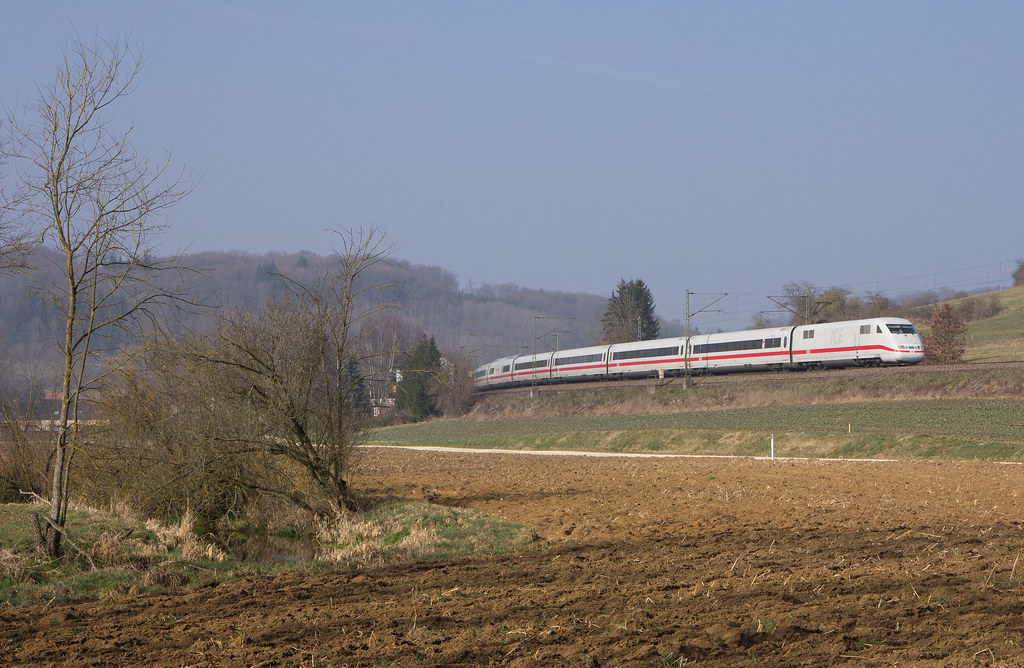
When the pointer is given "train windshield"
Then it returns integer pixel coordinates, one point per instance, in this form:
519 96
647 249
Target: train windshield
900 328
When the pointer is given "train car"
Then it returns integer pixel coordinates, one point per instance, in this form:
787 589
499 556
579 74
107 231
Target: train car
531 369
580 363
750 350
494 374
873 342
646 358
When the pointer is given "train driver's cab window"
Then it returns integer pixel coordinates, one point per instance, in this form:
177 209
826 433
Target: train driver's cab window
865 329
899 328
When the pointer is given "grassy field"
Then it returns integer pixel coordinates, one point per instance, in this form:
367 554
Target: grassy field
942 428
934 412
109 554
1002 337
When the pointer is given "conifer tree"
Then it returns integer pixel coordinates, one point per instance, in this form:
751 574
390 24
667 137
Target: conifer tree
630 314
418 390
357 400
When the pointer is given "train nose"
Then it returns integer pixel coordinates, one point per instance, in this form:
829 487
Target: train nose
910 354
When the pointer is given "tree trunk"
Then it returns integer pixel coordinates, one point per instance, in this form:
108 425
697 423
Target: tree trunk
61 461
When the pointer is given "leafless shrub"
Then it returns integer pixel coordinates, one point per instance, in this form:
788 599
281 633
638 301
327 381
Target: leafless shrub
456 391
23 458
272 403
947 341
979 307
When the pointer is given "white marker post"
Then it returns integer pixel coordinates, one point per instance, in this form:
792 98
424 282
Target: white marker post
773 447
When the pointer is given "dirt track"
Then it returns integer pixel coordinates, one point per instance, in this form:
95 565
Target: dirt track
648 562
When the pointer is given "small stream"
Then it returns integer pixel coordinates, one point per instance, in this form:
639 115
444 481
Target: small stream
263 547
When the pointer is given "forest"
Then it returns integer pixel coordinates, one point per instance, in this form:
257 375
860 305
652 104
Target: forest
482 322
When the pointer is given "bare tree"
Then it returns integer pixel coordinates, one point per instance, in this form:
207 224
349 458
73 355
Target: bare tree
84 190
877 305
801 300
275 396
456 391
836 303
16 243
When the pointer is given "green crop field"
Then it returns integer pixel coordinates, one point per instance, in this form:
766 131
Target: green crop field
943 428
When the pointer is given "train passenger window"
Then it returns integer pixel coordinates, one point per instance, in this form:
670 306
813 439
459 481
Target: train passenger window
640 354
580 359
808 333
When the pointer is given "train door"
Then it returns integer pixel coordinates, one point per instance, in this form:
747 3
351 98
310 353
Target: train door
788 343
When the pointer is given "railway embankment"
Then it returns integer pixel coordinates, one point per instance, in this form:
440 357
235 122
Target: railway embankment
810 388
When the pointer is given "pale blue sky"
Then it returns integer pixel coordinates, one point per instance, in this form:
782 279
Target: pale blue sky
716 146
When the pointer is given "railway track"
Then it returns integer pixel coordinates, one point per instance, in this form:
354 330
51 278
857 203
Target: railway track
779 377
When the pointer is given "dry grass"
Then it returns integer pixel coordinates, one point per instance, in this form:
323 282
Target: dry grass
111 549
180 536
13 566
395 531
355 540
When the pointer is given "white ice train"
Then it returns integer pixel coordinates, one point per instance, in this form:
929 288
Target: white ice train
873 342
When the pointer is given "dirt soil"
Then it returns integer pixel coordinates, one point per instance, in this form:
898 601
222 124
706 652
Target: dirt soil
640 562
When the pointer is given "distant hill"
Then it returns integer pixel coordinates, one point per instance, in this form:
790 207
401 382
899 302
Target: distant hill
486 322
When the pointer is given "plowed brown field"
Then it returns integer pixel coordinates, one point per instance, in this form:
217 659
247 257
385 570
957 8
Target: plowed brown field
644 562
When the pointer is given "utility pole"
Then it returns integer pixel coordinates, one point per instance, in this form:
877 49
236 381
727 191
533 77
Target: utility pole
554 330
533 376
810 311
686 345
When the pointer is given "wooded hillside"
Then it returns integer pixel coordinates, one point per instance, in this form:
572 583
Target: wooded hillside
485 322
